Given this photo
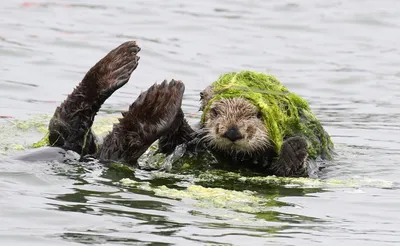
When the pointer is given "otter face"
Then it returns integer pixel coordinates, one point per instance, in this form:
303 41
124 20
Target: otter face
235 125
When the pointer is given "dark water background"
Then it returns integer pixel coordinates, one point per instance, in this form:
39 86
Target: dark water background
342 56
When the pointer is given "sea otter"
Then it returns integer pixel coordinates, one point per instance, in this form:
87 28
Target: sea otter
251 118
234 125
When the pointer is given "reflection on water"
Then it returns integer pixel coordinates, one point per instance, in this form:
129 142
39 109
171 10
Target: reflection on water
342 56
144 207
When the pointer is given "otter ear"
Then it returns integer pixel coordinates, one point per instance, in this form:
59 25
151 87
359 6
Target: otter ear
205 96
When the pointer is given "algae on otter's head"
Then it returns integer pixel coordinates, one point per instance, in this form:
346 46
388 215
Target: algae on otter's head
284 113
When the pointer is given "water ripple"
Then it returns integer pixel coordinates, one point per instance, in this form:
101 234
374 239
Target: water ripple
342 56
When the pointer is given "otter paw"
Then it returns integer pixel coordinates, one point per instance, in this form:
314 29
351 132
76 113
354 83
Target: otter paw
158 107
292 158
296 147
124 62
114 70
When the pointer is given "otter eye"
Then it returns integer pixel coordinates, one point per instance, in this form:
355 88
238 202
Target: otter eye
213 112
259 114
201 95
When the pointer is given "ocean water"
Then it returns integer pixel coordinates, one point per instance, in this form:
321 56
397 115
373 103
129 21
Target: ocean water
342 56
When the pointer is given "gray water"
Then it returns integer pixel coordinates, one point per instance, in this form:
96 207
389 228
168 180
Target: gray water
342 56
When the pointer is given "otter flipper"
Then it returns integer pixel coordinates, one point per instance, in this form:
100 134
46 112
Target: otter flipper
292 158
148 118
70 127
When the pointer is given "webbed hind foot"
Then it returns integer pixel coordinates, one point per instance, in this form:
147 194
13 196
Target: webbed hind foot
70 127
111 72
148 118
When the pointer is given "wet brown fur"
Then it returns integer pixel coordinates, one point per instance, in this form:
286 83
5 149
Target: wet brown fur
253 145
181 133
70 127
240 114
148 118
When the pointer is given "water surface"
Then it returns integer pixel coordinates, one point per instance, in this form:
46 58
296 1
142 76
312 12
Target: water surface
342 56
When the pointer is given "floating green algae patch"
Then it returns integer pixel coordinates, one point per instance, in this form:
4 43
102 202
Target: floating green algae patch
22 134
284 113
18 135
101 126
247 207
245 200
39 123
219 178
219 188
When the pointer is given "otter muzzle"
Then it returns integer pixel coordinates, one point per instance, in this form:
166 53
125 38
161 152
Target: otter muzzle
233 134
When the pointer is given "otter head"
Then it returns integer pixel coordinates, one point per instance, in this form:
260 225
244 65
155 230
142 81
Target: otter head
235 125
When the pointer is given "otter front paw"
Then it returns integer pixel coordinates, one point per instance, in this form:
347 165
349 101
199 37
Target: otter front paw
292 158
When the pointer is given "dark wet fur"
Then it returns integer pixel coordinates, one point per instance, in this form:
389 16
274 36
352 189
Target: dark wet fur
152 114
292 161
148 118
70 127
183 133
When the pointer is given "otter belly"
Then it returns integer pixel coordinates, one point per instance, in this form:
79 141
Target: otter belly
48 154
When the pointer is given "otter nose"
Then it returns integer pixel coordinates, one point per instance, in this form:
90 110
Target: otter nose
233 134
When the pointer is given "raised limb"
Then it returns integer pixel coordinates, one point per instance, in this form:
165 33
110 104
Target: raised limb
151 116
70 127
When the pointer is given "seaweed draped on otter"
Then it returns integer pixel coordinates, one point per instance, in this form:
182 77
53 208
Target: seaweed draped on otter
284 113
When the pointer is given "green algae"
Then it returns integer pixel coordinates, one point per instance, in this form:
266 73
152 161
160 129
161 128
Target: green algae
244 200
226 178
19 135
39 123
101 126
202 169
14 147
42 142
264 181
284 113
120 167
